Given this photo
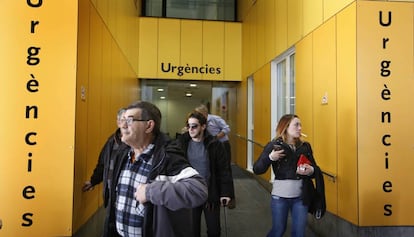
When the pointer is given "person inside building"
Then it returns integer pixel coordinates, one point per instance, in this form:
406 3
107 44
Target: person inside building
219 128
294 166
103 172
156 186
208 156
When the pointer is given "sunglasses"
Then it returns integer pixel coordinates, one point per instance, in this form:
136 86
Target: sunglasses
192 126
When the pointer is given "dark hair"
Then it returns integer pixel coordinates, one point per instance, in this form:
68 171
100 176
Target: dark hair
199 116
148 112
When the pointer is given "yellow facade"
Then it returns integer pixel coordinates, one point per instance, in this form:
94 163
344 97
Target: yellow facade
38 74
340 50
326 38
385 78
184 49
105 82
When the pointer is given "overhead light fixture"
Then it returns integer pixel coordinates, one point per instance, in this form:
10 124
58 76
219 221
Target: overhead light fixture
188 94
160 89
193 85
162 97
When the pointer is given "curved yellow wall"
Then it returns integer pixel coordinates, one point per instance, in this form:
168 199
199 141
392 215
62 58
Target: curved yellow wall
339 54
325 66
272 26
106 81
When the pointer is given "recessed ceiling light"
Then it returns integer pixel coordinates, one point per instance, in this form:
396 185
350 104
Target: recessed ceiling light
160 89
188 94
193 85
162 98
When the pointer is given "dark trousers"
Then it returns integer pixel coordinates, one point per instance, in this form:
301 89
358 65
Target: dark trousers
228 150
227 147
110 223
212 218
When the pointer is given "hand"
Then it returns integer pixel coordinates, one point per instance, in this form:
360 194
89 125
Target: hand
276 155
224 201
220 135
87 186
140 193
305 169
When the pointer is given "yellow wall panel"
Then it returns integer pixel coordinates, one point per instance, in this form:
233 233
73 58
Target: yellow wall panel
252 18
121 19
213 49
281 31
330 8
324 119
241 125
81 114
148 48
191 44
112 15
93 98
324 77
190 49
232 51
260 34
105 82
107 85
168 47
30 199
304 84
121 25
244 47
385 81
294 21
247 66
261 106
94 2
243 8
102 6
312 15
347 115
269 30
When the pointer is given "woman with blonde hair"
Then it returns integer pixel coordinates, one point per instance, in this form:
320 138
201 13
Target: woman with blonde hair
294 166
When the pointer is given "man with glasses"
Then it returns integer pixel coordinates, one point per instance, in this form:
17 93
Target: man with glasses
208 156
156 186
103 172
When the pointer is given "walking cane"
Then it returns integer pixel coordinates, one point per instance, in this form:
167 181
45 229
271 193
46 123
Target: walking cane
225 215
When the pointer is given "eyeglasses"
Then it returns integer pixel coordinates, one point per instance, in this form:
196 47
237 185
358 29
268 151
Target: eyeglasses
130 120
192 126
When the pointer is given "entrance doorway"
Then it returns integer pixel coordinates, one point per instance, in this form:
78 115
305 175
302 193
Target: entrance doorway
177 98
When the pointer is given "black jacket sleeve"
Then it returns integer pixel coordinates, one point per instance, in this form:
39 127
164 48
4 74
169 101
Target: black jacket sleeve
263 162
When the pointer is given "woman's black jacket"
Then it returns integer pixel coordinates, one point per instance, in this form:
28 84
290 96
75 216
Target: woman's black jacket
285 168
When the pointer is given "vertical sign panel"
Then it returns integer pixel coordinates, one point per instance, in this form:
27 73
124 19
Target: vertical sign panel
38 76
385 83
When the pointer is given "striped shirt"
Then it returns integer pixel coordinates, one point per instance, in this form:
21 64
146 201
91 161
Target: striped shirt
129 212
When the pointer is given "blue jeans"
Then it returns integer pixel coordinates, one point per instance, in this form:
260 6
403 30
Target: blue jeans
280 211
